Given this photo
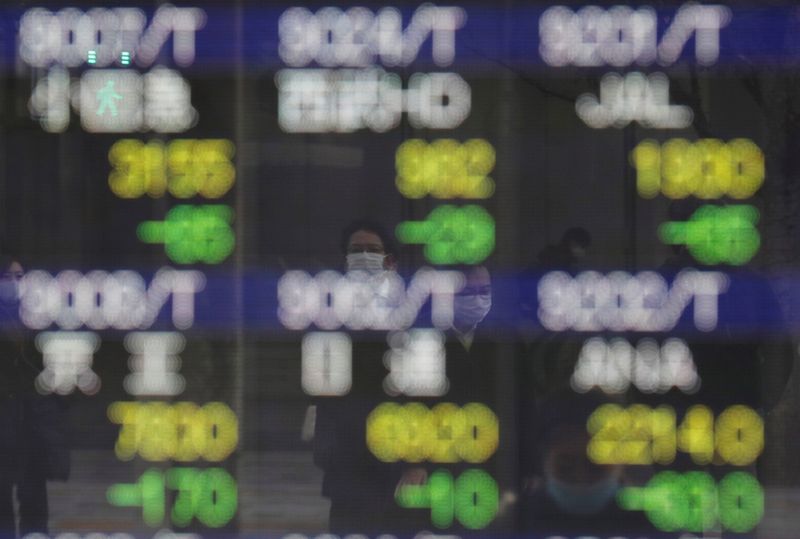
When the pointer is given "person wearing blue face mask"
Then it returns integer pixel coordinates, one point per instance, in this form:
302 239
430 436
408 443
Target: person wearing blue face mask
472 303
563 492
33 434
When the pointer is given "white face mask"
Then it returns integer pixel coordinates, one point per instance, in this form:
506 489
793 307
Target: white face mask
470 310
369 262
9 290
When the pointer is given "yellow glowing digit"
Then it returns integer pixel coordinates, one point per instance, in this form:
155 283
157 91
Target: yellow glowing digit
480 161
716 168
221 431
646 158
181 168
696 434
739 435
481 436
606 426
449 424
748 168
635 446
125 414
190 434
681 168
451 170
418 432
158 436
137 168
664 436
412 165
445 168
213 170
384 432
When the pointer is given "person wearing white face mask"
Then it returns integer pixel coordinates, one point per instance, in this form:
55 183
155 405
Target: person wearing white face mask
367 247
359 487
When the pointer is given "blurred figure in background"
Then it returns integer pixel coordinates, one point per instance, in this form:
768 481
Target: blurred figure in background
359 487
570 252
33 432
563 492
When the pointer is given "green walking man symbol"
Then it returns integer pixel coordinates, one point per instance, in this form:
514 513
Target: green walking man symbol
106 96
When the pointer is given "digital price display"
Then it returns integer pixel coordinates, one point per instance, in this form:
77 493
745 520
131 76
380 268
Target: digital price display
417 270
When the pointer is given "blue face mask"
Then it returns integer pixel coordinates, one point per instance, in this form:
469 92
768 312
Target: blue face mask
9 291
582 500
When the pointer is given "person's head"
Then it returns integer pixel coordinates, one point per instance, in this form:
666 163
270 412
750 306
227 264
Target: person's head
473 302
366 246
576 484
577 241
11 272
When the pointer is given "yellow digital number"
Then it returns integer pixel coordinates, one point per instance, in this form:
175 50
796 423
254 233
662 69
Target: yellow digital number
696 434
445 434
445 168
739 435
184 168
641 435
706 168
159 431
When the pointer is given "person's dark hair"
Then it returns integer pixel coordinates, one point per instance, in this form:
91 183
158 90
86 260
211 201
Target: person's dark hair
367 225
8 254
577 235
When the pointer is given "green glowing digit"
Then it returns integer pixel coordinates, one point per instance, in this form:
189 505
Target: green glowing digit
741 502
693 502
472 499
476 499
147 492
716 234
441 492
701 497
185 481
452 234
218 498
193 233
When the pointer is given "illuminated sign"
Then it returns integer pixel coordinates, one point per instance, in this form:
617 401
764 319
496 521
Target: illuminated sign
692 501
208 495
623 36
717 234
331 300
65 37
101 300
445 168
154 363
472 499
706 168
642 435
327 363
636 97
346 100
193 233
445 433
615 366
620 301
452 234
184 168
115 101
416 364
67 360
181 431
358 37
